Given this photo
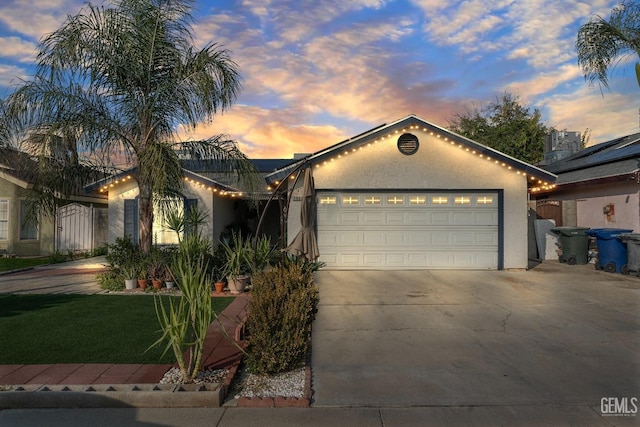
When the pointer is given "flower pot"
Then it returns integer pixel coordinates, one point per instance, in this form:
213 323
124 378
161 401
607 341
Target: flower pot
157 284
219 287
169 285
142 283
130 284
237 284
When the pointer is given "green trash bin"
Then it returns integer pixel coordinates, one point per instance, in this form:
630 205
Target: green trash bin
574 243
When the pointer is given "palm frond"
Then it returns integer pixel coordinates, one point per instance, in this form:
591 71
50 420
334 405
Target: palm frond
601 44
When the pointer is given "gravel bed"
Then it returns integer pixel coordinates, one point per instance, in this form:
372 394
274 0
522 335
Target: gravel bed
174 376
287 384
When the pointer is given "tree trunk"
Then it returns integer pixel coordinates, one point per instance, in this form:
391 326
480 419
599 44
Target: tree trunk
145 215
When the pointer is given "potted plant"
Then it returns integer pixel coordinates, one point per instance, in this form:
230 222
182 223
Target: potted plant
168 278
218 283
237 265
156 273
129 271
143 276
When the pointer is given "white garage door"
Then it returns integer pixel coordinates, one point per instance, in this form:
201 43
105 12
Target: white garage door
411 230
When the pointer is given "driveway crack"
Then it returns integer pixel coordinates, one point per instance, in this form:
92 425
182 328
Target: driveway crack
504 321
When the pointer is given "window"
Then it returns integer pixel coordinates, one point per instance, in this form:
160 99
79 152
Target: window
462 200
4 219
372 200
131 219
395 200
418 200
485 200
439 200
28 221
328 200
350 200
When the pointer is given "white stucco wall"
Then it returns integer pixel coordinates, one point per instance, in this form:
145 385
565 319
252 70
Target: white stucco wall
206 201
437 165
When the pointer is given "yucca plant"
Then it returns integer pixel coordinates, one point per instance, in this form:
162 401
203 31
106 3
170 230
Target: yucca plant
185 323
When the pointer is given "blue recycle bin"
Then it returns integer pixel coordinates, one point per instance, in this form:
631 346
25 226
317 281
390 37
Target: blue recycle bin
612 252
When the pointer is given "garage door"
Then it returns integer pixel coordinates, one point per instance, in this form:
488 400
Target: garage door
412 230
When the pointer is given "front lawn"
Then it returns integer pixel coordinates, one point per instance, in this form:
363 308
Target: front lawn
7 264
37 329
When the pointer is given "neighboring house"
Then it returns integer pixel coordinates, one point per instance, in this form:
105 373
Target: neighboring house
597 187
413 195
79 224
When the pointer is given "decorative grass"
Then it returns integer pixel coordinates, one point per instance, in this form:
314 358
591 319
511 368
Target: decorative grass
7 264
40 329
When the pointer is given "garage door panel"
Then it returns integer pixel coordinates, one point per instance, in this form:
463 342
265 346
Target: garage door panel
416 217
374 238
486 218
350 218
373 218
395 218
440 218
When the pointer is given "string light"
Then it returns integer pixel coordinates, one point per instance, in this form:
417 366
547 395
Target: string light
196 183
543 185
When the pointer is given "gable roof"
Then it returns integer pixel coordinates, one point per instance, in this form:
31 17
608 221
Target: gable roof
410 122
104 184
618 158
13 169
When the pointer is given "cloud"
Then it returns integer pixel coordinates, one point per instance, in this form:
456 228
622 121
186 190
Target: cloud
268 133
608 116
21 17
18 48
544 82
10 76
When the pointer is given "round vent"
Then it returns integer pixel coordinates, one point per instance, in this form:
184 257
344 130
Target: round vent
408 144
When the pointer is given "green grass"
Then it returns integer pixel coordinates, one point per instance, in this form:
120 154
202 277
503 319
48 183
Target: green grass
36 329
7 264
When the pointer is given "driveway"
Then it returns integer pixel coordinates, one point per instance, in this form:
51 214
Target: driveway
554 335
72 277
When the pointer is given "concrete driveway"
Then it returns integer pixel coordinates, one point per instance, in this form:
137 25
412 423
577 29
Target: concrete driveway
556 335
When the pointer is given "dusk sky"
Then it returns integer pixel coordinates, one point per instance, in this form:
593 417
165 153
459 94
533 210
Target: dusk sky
318 72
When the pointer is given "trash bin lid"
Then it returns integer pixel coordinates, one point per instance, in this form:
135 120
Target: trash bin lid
607 233
570 231
629 237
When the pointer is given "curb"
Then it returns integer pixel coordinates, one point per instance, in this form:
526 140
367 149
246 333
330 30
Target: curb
113 396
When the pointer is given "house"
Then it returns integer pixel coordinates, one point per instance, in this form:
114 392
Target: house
413 195
597 187
79 224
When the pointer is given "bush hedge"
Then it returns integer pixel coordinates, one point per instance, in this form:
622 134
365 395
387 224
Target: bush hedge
283 307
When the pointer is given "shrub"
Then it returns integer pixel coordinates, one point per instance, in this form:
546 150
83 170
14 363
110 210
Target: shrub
112 279
123 251
283 306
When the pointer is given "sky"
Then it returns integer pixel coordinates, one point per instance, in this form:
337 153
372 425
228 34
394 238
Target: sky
316 72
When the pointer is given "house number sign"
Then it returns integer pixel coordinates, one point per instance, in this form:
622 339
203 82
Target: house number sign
408 144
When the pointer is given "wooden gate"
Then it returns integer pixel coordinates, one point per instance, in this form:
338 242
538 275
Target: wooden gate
550 209
74 228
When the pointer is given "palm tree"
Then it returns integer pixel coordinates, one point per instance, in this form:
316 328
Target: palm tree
120 81
601 44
